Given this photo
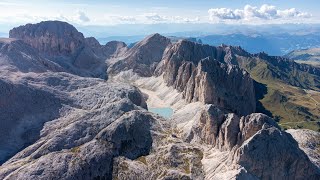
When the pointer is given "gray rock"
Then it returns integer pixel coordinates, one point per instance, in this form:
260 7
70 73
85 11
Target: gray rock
143 57
50 37
256 143
63 44
171 160
15 55
274 154
92 122
309 142
62 126
209 81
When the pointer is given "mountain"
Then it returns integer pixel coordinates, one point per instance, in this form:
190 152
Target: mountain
143 56
274 44
63 44
62 125
191 73
19 56
291 90
192 69
286 90
306 56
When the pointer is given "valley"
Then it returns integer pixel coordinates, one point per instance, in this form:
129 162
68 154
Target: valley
86 109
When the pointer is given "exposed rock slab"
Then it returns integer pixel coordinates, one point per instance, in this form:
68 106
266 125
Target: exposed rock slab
202 78
309 142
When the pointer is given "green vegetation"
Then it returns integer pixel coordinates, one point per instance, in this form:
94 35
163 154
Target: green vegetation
285 98
75 149
142 159
186 166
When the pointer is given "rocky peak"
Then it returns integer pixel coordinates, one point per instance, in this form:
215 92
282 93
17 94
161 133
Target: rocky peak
143 57
207 80
255 142
118 44
115 49
149 50
93 42
50 37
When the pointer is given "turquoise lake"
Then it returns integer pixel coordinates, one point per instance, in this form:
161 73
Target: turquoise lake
165 112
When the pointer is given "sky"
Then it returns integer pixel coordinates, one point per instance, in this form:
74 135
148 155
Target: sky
103 13
137 17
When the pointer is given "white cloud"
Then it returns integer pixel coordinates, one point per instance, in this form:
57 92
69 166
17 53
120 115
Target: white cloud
223 13
81 17
253 14
145 18
115 19
156 18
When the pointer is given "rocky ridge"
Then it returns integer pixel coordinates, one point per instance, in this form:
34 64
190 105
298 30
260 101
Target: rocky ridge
65 45
86 128
143 57
201 78
66 123
309 142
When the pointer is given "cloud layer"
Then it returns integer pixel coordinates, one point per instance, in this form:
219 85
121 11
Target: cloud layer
252 13
82 17
79 14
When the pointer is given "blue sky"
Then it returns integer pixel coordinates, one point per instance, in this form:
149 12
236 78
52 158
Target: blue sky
165 11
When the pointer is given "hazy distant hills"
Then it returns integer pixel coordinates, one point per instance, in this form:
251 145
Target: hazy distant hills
272 39
273 44
312 54
306 56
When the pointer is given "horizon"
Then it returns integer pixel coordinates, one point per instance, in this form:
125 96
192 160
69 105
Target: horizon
284 37
143 17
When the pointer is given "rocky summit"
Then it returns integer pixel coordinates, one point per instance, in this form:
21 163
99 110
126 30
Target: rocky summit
71 108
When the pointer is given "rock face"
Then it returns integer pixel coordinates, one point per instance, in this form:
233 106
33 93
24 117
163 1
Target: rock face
72 123
201 78
62 123
264 144
114 49
23 110
16 55
256 144
63 44
50 37
111 50
143 57
309 142
251 145
57 125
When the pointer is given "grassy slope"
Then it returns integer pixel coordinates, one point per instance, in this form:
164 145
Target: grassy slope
294 107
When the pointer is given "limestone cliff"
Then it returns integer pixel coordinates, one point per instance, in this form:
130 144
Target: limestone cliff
58 125
190 68
143 57
65 45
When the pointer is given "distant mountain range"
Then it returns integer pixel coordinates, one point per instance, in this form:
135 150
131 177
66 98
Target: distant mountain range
272 39
273 44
